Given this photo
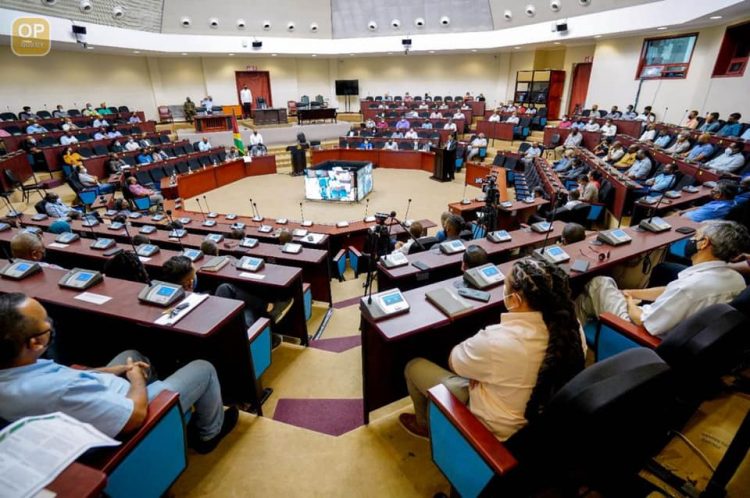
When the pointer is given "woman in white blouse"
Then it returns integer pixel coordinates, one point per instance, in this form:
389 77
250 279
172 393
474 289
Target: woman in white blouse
508 372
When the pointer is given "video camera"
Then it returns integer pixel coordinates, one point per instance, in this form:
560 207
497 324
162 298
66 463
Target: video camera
490 190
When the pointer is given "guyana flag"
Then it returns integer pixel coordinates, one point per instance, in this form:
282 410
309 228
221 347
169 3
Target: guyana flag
236 137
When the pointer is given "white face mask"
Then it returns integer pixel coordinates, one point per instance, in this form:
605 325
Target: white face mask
728 151
506 301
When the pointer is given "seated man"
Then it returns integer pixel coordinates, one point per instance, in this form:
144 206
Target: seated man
691 121
436 115
158 155
131 145
366 145
140 191
55 208
702 150
574 199
663 181
709 281
390 145
641 167
35 127
572 233
730 161
416 231
732 127
565 123
473 257
145 157
573 140
711 124
68 125
68 139
100 123
609 129
116 163
411 114
577 168
591 126
204 145
615 153
746 135
369 124
494 118
507 373
589 191
426 125
145 141
403 124
89 111
614 113
662 139
453 227
476 144
566 162
630 113
411 134
532 152
72 157
513 119
458 115
681 145
397 134
646 116
113 132
602 148
29 246
648 134
255 142
134 119
722 201
27 114
450 125
103 109
233 153
100 134
114 399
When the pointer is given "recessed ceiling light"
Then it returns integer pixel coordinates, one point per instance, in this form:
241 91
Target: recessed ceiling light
661 28
184 53
432 51
597 36
517 48
473 50
556 43
89 47
314 55
136 51
390 53
274 55
231 55
713 18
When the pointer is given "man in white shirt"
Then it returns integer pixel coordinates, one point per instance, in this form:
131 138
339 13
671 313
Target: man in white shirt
646 116
459 115
534 151
495 118
134 119
591 126
411 134
68 125
246 99
649 134
390 145
450 125
68 139
411 114
630 113
730 161
204 145
476 144
131 145
708 281
256 138
746 136
208 104
682 144
573 140
513 119
59 112
100 134
436 115
608 129
99 122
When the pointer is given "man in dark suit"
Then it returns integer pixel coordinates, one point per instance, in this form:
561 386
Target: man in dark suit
449 159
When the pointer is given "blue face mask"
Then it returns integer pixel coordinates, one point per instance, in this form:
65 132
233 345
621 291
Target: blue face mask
195 282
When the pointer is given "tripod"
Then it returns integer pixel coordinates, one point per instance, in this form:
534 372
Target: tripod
377 245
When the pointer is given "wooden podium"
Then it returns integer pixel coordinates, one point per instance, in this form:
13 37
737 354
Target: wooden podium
444 161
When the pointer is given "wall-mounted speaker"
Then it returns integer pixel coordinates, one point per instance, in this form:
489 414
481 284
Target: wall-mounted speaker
257 44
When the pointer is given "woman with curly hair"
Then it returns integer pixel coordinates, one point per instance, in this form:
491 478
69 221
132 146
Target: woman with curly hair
508 372
126 266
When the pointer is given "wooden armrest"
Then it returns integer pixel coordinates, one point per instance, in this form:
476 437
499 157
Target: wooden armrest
355 251
634 332
257 328
339 255
481 439
157 409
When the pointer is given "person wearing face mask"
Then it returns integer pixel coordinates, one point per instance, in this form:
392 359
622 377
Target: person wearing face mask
730 161
722 201
33 152
641 167
508 372
649 134
710 280
89 111
591 126
115 398
180 270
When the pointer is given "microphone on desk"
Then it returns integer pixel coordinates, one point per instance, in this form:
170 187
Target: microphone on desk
6 254
86 221
683 117
664 119
168 212
256 216
367 207
135 250
406 214
208 209
302 213
551 221
464 200
654 223
201 209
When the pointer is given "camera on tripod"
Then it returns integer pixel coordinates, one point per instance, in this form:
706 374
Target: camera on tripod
381 217
491 192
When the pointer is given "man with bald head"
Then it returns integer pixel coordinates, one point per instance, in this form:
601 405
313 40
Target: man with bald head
29 246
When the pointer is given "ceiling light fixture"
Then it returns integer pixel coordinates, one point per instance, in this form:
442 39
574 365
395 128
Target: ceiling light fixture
184 53
432 51
713 18
517 48
661 28
314 55
136 51
556 43
230 55
274 55
597 36
473 50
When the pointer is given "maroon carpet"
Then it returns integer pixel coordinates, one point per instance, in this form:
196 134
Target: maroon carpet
328 416
337 344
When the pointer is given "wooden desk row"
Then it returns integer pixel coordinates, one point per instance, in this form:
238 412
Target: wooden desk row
628 127
53 154
426 332
92 334
18 163
694 134
397 112
97 164
212 177
443 266
499 131
273 282
590 139
14 142
401 159
80 121
477 106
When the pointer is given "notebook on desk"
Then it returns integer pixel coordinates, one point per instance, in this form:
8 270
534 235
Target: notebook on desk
447 301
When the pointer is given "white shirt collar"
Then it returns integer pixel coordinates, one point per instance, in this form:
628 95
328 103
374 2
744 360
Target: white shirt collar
708 265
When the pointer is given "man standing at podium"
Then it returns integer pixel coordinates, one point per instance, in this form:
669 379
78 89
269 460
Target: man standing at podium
246 99
449 159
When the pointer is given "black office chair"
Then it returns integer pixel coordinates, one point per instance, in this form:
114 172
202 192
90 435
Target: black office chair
25 188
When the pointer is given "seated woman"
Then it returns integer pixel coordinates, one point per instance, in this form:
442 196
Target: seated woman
507 373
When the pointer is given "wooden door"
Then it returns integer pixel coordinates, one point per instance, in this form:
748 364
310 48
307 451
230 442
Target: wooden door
259 83
579 87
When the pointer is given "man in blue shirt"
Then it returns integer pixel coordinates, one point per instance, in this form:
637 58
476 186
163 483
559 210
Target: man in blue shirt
663 139
732 127
35 127
55 208
702 150
403 124
366 145
144 157
711 124
722 201
426 125
663 181
641 167
114 399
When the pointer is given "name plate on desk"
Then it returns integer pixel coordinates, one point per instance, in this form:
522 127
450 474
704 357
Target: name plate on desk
385 304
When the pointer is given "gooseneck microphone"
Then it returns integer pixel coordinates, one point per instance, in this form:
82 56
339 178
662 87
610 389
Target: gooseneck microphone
168 212
552 221
135 250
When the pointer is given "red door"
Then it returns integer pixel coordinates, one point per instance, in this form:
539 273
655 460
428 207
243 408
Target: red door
579 88
259 83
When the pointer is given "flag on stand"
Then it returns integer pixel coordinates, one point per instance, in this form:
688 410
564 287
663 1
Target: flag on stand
237 138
